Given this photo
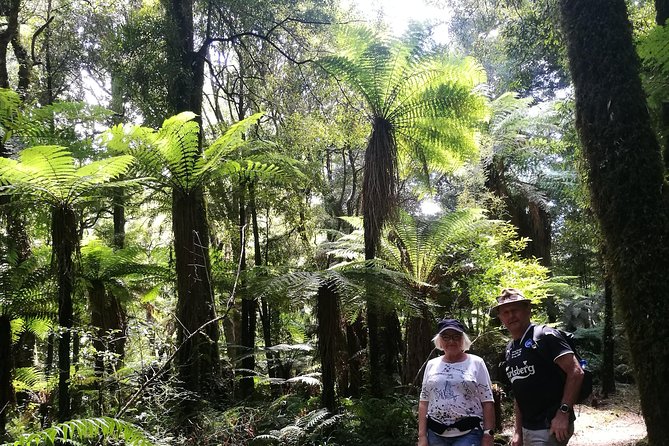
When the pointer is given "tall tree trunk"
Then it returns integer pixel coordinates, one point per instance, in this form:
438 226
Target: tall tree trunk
246 383
64 237
76 393
379 190
608 343
265 310
96 296
197 360
627 185
118 194
25 66
6 367
418 334
662 12
530 218
356 343
327 315
10 9
661 16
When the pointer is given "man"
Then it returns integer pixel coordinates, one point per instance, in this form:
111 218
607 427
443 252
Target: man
545 375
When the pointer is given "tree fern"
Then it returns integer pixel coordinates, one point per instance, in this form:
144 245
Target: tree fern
86 429
172 157
308 427
49 175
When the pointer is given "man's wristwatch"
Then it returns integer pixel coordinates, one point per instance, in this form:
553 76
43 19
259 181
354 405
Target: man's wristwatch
564 408
490 432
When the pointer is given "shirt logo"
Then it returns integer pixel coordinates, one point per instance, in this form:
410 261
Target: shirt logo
518 372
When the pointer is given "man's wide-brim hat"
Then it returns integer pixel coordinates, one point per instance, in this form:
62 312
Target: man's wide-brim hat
508 296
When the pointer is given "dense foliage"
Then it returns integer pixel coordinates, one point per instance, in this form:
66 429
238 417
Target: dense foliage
237 222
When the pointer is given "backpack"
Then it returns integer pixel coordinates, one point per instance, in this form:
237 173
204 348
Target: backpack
586 385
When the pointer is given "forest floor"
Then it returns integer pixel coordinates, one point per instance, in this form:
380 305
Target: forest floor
614 421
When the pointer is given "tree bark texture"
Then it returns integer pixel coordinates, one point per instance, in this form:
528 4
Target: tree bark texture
418 335
661 11
6 367
356 343
197 359
109 321
327 314
608 343
626 182
185 86
65 238
248 321
10 9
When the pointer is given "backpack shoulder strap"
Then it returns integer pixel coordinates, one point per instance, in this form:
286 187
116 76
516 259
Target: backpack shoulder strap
507 352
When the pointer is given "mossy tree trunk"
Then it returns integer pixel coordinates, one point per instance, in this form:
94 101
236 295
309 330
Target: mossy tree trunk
608 344
629 195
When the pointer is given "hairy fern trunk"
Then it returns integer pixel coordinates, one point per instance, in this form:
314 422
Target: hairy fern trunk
327 315
418 334
65 239
197 359
626 175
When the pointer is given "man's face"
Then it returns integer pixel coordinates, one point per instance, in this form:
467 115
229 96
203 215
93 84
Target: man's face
515 316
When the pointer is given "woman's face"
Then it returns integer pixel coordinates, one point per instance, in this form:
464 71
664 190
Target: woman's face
451 341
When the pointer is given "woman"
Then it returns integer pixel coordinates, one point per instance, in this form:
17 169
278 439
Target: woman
456 404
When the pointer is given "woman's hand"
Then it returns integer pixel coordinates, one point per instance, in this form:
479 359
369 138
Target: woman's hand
517 439
422 440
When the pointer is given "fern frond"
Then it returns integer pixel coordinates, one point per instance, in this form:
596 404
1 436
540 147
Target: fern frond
86 429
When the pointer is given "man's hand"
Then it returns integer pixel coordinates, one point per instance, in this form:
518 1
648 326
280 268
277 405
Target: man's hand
560 426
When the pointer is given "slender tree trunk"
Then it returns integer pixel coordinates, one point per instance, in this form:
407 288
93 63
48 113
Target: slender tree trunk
6 367
64 238
25 66
118 196
96 296
265 310
662 11
246 384
76 392
197 360
608 343
10 9
627 184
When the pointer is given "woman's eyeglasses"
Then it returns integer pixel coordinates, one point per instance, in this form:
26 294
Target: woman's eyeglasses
455 337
